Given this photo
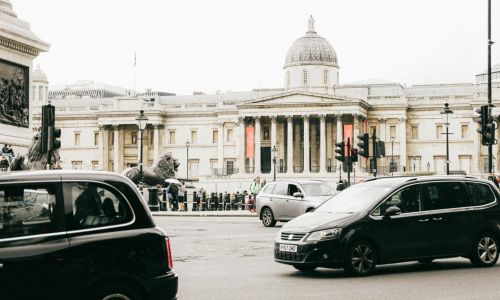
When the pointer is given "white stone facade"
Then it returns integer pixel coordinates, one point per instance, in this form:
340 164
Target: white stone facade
101 133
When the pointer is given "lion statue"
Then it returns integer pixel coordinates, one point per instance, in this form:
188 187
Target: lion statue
36 159
164 169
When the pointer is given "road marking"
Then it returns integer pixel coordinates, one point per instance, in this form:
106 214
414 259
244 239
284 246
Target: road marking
223 236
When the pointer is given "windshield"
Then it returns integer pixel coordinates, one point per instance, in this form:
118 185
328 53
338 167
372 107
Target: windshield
356 198
317 189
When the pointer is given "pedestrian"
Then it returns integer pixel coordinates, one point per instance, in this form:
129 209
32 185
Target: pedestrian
10 153
180 197
4 163
254 190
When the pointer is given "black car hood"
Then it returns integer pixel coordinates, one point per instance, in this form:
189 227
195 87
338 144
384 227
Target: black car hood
317 221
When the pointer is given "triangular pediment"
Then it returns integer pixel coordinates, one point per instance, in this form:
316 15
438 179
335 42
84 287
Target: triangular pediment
296 98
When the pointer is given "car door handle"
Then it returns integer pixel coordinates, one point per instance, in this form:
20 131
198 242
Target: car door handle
437 219
423 220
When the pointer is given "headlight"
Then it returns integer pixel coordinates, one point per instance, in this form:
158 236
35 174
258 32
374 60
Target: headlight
327 234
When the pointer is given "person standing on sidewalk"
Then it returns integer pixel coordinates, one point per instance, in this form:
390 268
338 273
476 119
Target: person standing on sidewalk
254 190
180 197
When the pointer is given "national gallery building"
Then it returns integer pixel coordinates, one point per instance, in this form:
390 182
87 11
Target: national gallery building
234 136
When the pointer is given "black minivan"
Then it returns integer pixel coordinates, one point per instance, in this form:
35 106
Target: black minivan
396 219
80 235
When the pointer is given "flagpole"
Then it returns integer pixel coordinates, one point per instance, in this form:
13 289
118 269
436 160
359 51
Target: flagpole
135 64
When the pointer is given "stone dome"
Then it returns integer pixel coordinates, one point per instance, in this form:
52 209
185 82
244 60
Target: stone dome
39 75
6 8
311 49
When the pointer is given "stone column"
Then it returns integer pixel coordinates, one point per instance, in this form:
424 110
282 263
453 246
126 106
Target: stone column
241 145
101 147
273 142
402 142
115 149
307 168
322 143
289 145
220 146
156 142
257 145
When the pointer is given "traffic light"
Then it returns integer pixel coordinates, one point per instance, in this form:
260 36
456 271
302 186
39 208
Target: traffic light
341 151
489 134
380 149
354 155
364 144
487 127
50 134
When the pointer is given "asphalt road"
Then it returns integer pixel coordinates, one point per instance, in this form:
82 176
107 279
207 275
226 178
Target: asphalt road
232 258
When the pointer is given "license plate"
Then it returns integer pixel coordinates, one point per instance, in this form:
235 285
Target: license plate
288 248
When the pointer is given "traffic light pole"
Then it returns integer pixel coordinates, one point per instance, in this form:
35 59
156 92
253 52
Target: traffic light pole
374 140
349 162
490 42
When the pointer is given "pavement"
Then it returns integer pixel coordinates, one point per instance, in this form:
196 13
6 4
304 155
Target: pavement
221 213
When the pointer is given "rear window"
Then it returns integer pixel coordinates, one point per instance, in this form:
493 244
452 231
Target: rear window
268 189
280 189
481 193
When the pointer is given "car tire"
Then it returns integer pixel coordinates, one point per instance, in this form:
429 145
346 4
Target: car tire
426 260
116 292
267 217
305 268
485 250
361 259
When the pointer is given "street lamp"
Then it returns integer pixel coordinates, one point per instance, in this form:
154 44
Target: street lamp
141 123
274 160
187 159
392 156
446 112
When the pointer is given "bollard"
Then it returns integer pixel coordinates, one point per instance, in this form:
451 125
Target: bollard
212 201
164 198
186 203
153 199
204 201
195 202
227 201
221 202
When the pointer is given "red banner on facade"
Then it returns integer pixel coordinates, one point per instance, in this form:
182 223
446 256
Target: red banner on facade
250 149
347 134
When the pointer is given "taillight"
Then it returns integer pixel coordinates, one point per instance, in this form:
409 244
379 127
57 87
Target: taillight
169 254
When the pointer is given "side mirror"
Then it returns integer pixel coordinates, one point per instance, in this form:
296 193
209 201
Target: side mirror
392 211
298 195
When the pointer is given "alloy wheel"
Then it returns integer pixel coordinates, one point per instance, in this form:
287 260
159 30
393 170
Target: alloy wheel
267 217
363 258
487 250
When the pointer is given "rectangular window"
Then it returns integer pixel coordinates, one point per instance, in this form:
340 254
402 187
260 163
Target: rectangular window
414 132
439 131
77 139
95 165
229 137
151 137
194 136
266 133
96 138
229 167
215 136
465 131
27 210
392 131
304 73
133 139
325 76
76 164
193 168
171 137
444 195
112 138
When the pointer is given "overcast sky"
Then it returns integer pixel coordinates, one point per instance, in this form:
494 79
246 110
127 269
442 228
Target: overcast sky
198 45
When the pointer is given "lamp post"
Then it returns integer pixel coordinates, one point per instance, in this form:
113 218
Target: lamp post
392 156
446 112
141 123
274 160
187 159
428 166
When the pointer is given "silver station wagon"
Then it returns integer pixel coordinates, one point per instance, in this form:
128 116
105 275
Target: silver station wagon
285 200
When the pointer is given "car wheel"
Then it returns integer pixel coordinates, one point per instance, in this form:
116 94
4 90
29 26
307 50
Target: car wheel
116 292
361 259
485 251
305 268
426 260
268 217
